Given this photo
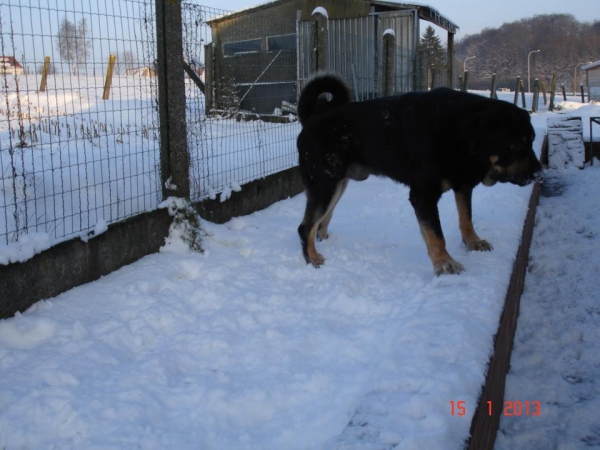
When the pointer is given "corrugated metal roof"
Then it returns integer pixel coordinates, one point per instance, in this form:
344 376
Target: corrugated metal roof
591 66
426 12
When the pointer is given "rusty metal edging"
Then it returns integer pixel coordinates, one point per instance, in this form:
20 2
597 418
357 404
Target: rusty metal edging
484 426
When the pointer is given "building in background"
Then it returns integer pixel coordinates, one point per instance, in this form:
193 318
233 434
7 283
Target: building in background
9 65
592 77
259 57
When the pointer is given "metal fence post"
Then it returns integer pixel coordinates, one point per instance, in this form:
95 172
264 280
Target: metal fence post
174 156
389 62
209 77
319 41
450 59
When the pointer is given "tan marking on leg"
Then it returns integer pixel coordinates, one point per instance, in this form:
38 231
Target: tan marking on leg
469 236
322 233
442 262
446 185
316 259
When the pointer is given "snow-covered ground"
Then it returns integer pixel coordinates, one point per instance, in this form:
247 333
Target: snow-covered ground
556 357
245 346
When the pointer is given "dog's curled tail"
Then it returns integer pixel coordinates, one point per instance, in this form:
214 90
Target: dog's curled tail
312 101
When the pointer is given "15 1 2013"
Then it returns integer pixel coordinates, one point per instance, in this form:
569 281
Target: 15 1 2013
509 408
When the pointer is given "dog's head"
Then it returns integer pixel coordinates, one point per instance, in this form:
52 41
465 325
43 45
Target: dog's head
502 137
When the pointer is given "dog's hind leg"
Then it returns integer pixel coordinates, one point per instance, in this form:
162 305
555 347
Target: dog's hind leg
318 206
465 222
322 233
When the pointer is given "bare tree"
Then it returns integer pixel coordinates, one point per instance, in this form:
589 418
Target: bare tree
66 39
73 44
83 46
564 43
126 61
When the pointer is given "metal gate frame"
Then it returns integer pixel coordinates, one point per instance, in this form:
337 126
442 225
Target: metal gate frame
354 48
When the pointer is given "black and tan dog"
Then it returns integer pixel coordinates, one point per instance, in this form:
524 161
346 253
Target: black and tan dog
432 141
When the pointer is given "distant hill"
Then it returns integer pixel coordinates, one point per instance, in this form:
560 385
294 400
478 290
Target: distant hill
563 40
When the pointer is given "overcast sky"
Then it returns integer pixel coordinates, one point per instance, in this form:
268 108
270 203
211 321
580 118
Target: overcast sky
472 16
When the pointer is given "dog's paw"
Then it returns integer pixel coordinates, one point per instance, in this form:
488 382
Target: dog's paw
317 260
322 235
448 267
479 246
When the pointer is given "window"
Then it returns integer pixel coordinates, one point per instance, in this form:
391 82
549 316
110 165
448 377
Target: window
236 48
285 42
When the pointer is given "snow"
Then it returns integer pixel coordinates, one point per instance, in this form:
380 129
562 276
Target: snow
25 248
556 357
565 142
585 111
245 346
320 10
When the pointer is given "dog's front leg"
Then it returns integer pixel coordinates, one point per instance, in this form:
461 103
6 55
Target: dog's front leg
463 205
425 206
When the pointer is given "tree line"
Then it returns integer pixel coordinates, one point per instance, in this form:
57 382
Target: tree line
565 44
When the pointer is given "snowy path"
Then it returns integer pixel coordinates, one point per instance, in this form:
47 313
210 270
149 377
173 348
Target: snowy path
246 347
556 357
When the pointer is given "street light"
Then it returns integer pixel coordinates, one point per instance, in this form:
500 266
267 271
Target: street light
528 70
465 63
575 75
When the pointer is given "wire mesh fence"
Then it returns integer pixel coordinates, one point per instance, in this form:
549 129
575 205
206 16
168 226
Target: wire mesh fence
245 132
71 161
80 134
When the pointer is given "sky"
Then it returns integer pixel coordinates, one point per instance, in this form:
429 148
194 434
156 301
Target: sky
472 16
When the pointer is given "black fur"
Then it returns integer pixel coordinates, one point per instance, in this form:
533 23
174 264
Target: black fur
430 141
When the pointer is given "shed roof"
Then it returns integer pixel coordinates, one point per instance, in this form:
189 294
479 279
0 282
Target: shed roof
426 12
591 66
